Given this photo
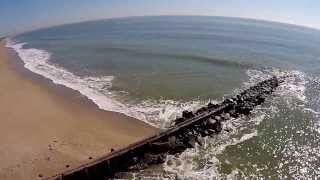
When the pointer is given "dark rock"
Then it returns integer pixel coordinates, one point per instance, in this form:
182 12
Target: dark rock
226 116
179 120
135 159
154 159
186 133
246 109
210 105
191 143
217 127
187 114
218 118
229 100
198 140
201 110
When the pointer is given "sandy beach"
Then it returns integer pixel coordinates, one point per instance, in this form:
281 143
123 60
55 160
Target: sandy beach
42 132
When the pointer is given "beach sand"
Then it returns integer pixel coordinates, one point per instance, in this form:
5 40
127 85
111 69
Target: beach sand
42 132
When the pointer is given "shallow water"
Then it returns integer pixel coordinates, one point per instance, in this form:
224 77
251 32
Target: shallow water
152 68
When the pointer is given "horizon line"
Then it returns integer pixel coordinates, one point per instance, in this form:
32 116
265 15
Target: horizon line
164 15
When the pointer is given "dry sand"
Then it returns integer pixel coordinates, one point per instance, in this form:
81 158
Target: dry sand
42 132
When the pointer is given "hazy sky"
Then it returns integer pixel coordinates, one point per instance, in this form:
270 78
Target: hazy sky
22 15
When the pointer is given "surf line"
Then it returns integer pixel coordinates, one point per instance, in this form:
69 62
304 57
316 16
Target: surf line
186 132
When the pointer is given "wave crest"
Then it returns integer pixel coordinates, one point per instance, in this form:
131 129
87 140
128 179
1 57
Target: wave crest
95 88
157 113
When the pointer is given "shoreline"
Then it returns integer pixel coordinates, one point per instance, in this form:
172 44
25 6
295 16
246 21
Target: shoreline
57 89
60 126
35 64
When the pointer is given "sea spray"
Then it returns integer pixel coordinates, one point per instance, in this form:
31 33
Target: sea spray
201 162
285 134
240 131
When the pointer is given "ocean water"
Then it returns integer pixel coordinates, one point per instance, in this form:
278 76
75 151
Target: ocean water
153 68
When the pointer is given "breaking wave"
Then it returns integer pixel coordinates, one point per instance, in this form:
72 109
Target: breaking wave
205 162
158 113
37 61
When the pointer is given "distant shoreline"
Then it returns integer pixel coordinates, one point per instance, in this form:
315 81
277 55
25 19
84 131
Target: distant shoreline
46 127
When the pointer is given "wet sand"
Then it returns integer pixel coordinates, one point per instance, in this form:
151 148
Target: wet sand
45 128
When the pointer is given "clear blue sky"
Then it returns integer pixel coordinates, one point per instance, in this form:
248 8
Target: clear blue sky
22 15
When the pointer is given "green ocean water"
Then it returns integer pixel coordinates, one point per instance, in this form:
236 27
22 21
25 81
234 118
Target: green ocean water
153 68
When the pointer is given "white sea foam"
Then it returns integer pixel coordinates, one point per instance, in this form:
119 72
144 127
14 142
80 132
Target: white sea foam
292 90
187 164
299 159
312 111
161 112
158 113
202 162
37 61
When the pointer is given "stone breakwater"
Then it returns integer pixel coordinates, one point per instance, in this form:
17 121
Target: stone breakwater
186 132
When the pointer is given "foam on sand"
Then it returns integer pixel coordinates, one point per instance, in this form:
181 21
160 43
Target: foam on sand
42 132
155 112
201 162
37 61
